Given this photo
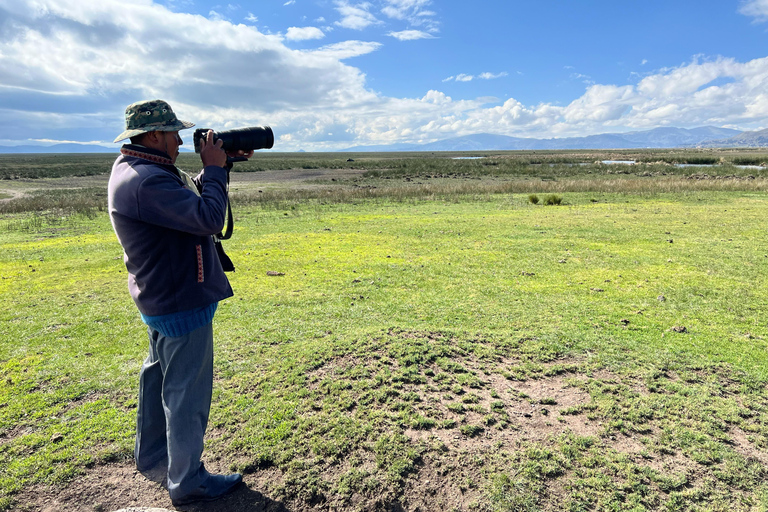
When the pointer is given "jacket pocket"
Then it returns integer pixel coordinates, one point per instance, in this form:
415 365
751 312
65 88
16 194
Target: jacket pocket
200 271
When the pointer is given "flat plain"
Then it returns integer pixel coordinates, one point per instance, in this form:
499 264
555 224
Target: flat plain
505 332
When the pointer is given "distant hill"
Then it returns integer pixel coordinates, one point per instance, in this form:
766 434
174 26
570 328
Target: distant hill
745 139
67 148
656 138
60 148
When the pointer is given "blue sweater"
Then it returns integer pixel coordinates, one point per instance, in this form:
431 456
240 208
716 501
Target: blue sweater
165 230
179 324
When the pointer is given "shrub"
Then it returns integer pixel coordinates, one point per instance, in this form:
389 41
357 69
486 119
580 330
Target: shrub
533 199
553 199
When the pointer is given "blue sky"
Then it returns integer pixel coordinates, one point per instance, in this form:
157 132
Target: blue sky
329 74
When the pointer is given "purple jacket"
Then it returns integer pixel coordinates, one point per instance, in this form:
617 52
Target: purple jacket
165 230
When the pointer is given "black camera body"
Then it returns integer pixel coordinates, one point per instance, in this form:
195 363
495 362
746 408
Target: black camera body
245 139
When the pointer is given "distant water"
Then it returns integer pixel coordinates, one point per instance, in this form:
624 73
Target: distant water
755 167
633 162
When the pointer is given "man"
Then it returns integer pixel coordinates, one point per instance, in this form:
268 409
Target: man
176 280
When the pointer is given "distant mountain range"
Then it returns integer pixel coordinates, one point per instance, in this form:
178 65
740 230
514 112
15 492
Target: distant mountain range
59 148
758 139
67 148
706 137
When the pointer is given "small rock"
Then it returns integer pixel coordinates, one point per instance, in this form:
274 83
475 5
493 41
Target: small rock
273 273
679 328
143 509
57 438
661 298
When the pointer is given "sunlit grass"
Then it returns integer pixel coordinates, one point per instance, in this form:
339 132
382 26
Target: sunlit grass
406 338
607 352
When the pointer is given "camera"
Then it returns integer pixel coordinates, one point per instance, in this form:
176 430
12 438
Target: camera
240 139
246 139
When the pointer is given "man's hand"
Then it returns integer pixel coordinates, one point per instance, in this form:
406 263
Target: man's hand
212 154
240 153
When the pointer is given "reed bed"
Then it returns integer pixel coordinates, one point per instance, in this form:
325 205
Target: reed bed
474 189
58 203
49 185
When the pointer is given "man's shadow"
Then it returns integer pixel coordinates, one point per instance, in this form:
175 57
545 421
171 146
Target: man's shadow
242 499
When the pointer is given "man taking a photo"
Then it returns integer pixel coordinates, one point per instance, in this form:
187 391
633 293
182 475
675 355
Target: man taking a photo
165 223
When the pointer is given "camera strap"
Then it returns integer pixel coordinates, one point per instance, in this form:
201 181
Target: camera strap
226 262
227 233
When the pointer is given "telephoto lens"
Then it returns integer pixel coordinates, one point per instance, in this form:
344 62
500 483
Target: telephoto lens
245 139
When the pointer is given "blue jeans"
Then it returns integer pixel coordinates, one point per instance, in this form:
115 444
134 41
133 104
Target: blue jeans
175 386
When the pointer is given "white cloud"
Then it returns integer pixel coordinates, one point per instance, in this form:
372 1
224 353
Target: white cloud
410 35
345 50
401 9
584 78
412 11
95 55
251 18
757 9
79 62
462 77
289 2
355 17
491 76
303 33
216 16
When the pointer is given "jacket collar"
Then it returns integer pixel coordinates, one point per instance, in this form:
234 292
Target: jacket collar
145 153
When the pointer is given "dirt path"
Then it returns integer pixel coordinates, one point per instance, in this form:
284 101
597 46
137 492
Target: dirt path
15 194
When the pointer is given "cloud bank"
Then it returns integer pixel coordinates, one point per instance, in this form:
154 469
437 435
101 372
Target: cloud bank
91 59
757 9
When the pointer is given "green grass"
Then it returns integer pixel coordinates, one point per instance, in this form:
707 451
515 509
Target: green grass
529 356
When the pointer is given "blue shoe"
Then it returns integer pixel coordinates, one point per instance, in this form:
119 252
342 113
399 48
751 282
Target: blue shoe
213 488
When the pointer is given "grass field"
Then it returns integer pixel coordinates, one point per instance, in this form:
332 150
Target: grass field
435 340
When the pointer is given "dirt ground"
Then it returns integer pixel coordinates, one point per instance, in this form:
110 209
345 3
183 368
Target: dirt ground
116 486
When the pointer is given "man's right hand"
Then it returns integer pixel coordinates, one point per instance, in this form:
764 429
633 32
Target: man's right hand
212 154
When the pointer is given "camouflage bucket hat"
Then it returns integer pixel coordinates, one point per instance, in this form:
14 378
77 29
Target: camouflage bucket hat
150 116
